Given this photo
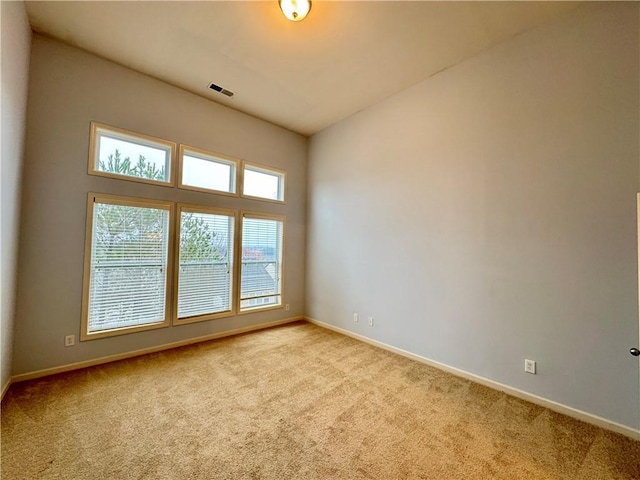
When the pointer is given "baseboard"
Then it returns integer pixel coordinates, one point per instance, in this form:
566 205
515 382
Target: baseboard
6 387
544 402
144 351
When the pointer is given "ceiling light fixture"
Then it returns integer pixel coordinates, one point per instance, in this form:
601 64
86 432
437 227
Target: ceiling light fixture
295 10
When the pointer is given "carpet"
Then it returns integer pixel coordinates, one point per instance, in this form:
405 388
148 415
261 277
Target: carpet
291 402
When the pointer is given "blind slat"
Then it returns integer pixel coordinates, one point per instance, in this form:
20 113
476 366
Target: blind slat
129 256
205 276
261 262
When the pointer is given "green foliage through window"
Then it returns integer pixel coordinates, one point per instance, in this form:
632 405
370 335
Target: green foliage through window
141 169
198 240
128 266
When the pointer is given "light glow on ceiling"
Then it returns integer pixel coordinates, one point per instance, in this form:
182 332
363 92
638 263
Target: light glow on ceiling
295 10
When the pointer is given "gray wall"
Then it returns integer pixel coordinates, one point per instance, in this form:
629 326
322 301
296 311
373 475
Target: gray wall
488 214
69 88
16 43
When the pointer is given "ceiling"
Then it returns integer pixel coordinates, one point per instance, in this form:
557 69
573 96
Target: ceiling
305 76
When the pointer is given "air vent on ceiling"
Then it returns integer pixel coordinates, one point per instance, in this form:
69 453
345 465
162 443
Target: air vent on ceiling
221 90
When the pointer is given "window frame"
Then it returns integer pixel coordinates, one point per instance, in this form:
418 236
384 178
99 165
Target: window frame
86 280
257 167
126 135
234 292
213 156
262 216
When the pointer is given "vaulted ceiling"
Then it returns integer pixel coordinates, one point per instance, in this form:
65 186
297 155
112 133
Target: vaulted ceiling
305 76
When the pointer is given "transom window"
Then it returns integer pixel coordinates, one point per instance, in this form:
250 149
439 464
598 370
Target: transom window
119 153
205 171
263 182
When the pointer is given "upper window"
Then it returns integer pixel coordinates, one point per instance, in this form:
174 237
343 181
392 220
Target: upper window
262 253
263 182
208 172
115 152
205 270
126 265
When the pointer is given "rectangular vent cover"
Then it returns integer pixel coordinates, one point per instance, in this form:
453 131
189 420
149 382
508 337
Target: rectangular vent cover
221 90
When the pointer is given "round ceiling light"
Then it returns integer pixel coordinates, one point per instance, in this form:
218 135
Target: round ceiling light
295 10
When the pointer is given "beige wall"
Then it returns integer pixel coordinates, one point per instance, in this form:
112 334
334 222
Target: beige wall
16 43
68 89
488 214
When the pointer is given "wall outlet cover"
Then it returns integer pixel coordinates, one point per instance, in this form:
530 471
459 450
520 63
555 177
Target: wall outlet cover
530 366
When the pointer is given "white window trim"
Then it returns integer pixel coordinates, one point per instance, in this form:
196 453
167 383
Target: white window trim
134 202
134 137
234 287
206 155
265 216
270 171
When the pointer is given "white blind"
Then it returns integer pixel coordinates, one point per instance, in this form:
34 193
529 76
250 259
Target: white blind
205 276
261 279
128 280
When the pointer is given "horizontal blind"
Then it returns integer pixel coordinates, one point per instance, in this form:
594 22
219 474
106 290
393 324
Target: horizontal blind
129 254
261 262
205 275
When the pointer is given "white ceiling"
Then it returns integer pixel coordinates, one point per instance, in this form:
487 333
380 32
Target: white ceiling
305 76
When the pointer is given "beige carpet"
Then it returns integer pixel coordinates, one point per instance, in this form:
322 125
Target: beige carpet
293 402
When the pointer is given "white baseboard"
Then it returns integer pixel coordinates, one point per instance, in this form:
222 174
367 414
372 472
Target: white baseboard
6 387
544 402
144 351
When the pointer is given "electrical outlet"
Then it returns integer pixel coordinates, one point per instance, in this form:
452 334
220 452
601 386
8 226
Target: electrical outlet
356 317
371 321
286 307
530 366
69 340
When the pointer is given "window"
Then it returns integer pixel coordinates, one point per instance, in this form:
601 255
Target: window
262 253
151 263
205 263
115 152
209 172
126 265
263 182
